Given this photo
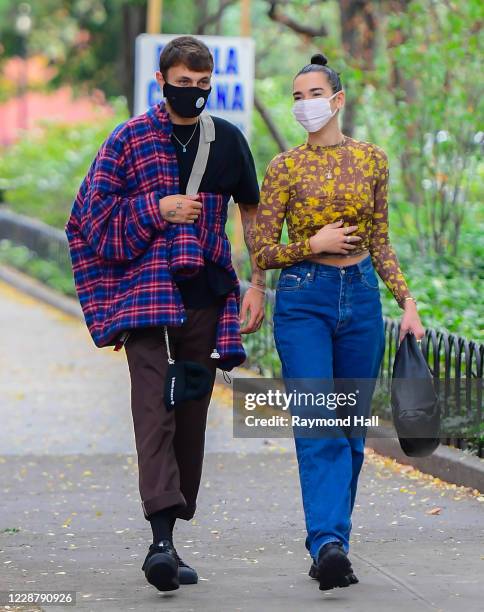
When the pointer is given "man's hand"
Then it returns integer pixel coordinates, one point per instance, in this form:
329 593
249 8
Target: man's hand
253 302
253 307
180 208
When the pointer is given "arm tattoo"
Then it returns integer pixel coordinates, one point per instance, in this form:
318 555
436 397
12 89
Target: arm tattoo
248 214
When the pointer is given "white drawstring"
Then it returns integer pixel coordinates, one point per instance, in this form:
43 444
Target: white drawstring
170 360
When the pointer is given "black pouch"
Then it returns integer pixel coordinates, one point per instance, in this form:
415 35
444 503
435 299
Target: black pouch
185 380
415 404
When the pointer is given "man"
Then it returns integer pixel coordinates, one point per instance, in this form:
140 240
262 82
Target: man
130 209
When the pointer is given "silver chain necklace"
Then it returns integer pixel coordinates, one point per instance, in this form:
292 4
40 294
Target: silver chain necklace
184 145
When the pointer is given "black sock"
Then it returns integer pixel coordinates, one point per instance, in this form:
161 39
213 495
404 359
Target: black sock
162 523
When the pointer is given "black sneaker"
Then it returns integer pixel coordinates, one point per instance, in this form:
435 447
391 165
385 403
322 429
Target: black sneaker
314 573
333 567
186 574
161 566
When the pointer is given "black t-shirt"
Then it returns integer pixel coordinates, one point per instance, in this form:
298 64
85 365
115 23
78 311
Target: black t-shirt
231 171
230 167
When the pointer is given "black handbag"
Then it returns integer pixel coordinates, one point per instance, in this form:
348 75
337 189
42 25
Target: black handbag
415 404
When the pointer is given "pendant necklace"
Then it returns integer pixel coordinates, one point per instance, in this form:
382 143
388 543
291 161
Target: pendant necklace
329 174
184 145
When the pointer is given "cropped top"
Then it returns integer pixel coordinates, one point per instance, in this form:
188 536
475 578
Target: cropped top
310 186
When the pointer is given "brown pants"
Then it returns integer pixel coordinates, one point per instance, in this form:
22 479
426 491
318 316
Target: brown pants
170 445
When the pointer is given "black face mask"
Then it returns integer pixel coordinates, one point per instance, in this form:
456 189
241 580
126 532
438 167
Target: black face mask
186 101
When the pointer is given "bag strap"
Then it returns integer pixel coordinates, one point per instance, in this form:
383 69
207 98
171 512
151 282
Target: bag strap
207 135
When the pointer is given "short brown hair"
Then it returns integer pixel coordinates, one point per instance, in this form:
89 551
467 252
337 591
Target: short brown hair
187 50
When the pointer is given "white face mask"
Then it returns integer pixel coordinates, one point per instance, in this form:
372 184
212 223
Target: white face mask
314 113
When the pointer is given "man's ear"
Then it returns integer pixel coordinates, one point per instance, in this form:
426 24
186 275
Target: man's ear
160 79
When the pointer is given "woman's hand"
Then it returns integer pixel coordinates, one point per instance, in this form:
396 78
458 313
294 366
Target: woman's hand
332 238
411 321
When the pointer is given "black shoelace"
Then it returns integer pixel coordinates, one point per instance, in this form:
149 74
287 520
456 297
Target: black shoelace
180 560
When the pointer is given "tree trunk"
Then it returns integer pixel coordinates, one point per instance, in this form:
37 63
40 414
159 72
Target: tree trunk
400 87
271 126
359 24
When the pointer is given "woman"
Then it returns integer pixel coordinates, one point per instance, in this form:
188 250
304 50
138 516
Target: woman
328 324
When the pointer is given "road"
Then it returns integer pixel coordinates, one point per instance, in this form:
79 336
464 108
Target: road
70 516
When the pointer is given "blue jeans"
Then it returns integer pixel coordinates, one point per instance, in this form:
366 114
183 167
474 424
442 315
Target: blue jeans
328 324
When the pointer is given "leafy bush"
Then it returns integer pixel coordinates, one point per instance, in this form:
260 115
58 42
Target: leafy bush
40 175
48 272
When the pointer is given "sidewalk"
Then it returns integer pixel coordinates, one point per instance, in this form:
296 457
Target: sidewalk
71 519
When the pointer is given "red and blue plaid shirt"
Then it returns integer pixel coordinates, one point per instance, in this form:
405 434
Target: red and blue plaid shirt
124 253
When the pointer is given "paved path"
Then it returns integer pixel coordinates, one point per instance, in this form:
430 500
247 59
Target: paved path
70 516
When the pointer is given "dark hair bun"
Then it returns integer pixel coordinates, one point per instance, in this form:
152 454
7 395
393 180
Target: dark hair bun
319 58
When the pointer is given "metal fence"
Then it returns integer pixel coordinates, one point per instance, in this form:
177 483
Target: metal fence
47 242
451 358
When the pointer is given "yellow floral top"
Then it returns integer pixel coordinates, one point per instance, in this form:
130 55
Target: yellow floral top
310 186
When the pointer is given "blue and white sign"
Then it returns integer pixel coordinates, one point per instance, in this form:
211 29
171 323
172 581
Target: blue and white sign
232 95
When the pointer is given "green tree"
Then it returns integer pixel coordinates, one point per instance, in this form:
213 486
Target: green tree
435 95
